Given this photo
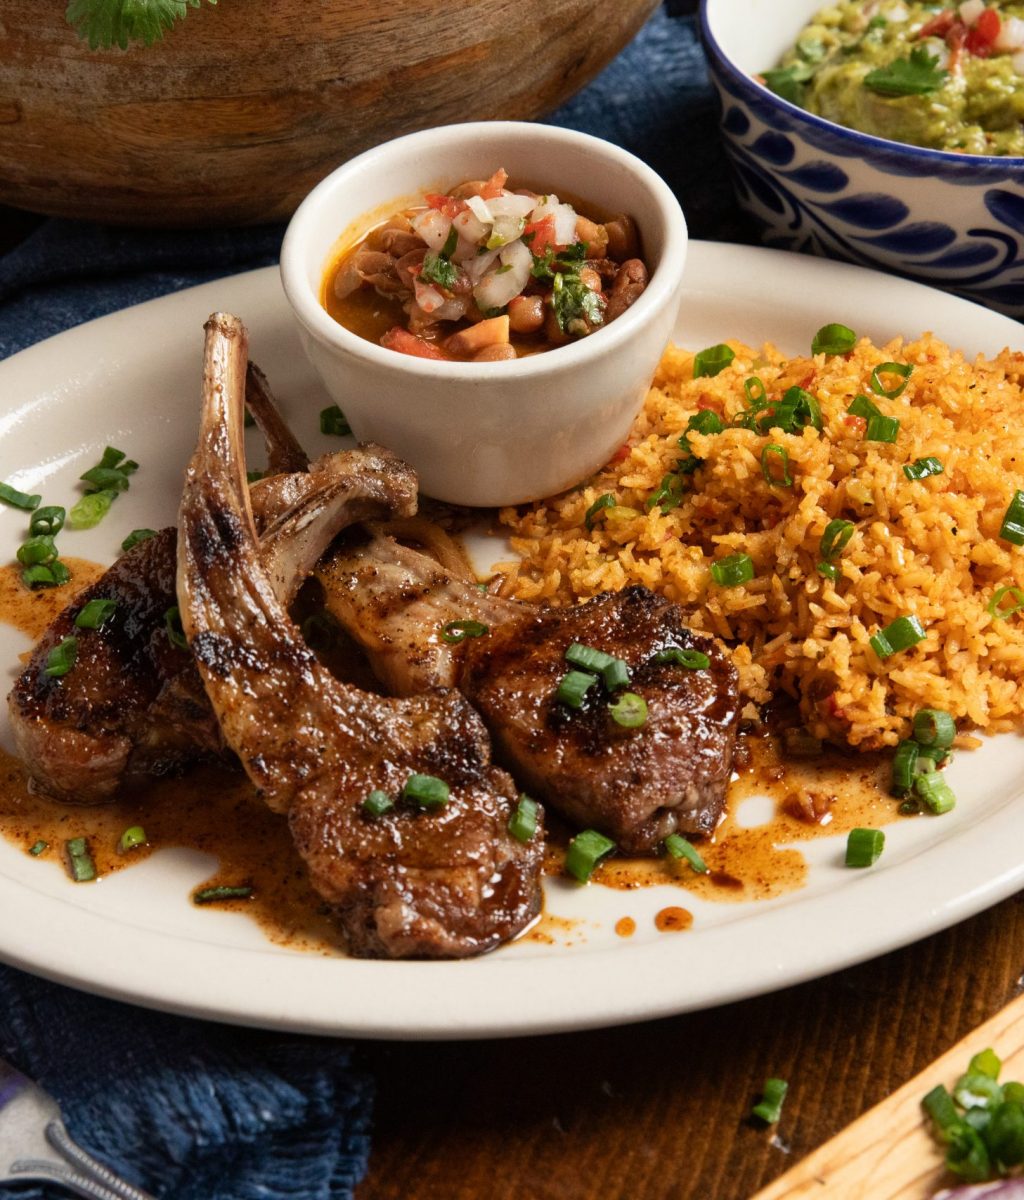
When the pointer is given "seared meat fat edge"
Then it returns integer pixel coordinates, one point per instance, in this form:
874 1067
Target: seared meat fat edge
134 705
636 785
445 882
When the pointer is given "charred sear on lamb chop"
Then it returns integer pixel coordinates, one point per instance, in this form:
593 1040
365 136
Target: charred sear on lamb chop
444 881
134 705
636 785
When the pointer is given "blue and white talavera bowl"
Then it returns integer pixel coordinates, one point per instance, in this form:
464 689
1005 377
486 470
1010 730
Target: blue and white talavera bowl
955 221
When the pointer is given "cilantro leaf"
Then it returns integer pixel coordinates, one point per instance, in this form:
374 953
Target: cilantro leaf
439 269
788 82
108 23
575 305
913 76
567 261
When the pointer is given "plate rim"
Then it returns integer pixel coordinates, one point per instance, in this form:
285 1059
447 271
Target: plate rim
498 995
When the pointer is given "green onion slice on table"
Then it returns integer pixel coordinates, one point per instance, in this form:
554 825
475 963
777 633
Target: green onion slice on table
11 495
864 847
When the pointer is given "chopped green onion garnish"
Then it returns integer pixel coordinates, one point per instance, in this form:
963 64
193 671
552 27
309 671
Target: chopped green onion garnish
133 837
211 895
828 570
693 660
46 575
136 536
377 803
933 727
833 541
605 501
709 362
985 1062
91 509
426 790
770 1107
334 422
938 1104
976 1089
48 521
61 658
668 494
255 476
904 370
882 429
904 767
935 792
36 550
629 710
1001 611
93 614
574 687
864 407
901 634
733 570
833 339
175 632
38 848
585 851
522 824
11 495
1012 528
775 466
679 847
612 670
320 631
795 410
106 479
921 468
1005 1133
755 392
457 631
864 847
80 863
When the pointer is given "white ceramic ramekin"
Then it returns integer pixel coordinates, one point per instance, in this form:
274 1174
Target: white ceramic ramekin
490 433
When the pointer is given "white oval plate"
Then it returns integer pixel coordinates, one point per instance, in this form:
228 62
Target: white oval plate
132 380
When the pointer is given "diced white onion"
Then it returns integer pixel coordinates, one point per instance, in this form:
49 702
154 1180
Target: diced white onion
465 250
508 204
500 286
938 50
1017 62
476 266
427 297
478 207
470 227
1010 36
971 10
897 13
433 227
506 228
545 209
565 225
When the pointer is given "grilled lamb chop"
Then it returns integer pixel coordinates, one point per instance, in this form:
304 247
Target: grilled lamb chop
636 785
448 881
134 705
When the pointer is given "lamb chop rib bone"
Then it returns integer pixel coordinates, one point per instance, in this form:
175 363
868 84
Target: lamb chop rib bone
134 705
636 785
444 883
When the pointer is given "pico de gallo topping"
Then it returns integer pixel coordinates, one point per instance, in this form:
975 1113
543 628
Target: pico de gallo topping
948 77
486 273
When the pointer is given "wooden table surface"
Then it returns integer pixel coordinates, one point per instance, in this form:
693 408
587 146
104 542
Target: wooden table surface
660 1111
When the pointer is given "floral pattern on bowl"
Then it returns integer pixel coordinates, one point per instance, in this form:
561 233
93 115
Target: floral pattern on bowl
954 221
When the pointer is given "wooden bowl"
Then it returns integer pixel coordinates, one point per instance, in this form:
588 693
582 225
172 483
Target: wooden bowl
242 108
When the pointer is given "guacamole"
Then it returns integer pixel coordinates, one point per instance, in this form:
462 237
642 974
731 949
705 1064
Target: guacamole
944 77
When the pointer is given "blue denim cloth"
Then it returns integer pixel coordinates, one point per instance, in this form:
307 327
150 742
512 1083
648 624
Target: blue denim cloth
186 1108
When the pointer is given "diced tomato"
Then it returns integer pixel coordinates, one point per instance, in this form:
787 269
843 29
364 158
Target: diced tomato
449 205
493 186
857 424
939 25
408 343
712 403
621 454
981 39
543 232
